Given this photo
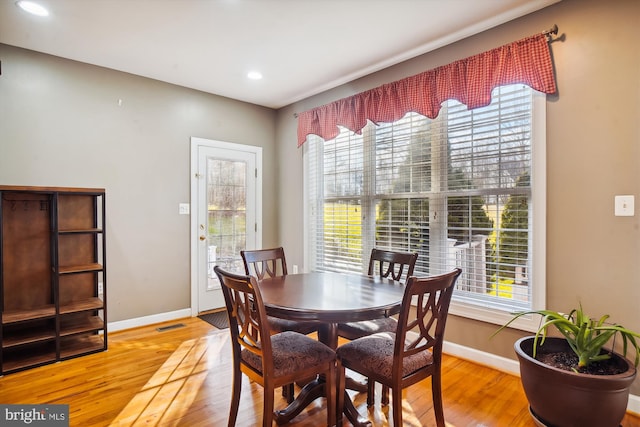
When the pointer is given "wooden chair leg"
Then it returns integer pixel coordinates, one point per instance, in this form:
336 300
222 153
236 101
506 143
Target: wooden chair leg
288 393
371 392
330 391
235 398
397 406
340 391
267 411
385 395
436 392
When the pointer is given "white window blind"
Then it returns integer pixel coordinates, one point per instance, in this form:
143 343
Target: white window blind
456 189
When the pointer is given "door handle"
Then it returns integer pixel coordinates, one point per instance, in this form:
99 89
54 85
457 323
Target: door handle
203 238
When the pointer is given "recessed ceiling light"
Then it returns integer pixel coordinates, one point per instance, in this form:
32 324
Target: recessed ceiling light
254 75
33 8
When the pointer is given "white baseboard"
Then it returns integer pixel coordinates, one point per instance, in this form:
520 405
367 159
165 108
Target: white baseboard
500 363
509 366
634 404
148 320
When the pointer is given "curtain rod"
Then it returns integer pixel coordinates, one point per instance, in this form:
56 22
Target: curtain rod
553 31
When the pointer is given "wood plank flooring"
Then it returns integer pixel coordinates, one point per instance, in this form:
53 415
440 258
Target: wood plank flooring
181 377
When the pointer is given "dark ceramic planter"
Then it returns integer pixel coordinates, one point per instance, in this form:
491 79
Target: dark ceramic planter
560 398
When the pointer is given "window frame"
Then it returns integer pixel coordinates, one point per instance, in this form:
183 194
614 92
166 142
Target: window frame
537 276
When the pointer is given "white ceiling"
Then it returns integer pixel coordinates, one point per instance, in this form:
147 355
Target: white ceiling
302 47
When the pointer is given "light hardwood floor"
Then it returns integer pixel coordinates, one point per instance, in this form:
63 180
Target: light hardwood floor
181 377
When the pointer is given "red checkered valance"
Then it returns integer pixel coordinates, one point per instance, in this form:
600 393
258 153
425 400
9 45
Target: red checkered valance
470 81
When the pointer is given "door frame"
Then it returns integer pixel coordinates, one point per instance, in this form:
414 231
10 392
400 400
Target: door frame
196 143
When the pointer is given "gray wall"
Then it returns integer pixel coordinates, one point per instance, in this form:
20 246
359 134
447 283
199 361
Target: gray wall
61 125
593 142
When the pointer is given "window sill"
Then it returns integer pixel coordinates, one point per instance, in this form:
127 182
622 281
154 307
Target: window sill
495 316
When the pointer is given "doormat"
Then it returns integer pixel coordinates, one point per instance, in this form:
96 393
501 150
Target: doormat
218 319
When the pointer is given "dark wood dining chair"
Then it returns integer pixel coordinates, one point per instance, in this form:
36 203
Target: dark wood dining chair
271 360
410 354
262 263
390 264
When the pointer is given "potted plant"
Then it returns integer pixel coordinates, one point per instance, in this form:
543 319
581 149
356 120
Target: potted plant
573 381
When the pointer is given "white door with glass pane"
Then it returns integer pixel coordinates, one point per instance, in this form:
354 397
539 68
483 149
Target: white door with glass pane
226 214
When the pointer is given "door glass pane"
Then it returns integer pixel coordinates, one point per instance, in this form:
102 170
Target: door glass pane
226 215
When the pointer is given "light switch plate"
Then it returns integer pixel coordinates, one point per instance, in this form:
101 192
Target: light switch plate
183 209
624 206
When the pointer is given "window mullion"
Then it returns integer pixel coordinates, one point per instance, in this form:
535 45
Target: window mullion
368 193
438 242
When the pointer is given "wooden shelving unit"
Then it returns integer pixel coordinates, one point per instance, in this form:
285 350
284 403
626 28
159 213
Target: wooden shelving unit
52 275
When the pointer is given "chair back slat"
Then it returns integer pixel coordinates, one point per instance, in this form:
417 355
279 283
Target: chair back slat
263 263
432 298
392 264
247 316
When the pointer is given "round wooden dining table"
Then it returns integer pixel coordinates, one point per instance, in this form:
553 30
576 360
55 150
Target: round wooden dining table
329 299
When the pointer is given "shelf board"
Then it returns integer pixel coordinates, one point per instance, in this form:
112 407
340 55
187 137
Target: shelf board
77 326
78 345
93 303
80 268
27 337
67 190
81 231
13 316
11 364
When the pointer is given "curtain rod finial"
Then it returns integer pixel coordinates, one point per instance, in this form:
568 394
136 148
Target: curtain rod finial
553 30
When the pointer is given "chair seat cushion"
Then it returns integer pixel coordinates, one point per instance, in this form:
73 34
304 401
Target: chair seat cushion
374 354
278 325
353 330
292 352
